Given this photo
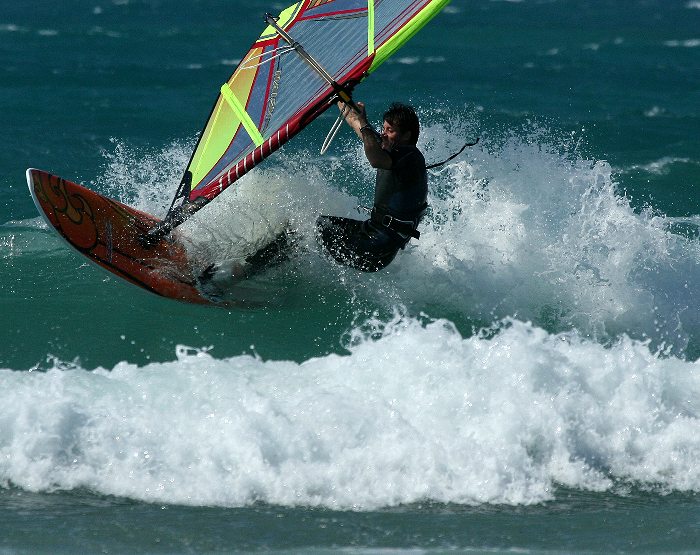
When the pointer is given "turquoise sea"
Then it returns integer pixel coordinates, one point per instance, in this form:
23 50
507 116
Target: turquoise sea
524 378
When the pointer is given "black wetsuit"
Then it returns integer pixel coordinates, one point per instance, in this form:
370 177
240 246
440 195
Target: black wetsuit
400 199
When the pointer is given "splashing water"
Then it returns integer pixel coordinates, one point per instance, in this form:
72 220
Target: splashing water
523 225
531 229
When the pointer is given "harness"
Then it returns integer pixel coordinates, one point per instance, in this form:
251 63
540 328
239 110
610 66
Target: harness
404 227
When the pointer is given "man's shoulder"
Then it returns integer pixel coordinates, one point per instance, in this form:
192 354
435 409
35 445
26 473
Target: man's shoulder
407 154
407 149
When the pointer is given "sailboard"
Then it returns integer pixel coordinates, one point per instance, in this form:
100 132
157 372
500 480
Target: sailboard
312 54
106 232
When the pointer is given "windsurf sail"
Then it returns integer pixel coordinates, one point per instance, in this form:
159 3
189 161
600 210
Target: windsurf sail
313 52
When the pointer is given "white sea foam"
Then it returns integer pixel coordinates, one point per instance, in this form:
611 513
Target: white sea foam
11 28
662 165
415 412
145 180
688 43
523 227
412 60
408 60
654 111
16 242
97 30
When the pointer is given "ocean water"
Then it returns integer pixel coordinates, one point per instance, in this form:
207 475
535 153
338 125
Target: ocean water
524 378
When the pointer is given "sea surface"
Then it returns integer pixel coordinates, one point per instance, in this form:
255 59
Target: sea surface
524 378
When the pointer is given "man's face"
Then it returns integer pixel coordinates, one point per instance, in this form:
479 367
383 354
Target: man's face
392 136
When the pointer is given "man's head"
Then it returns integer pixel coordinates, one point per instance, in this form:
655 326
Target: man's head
401 125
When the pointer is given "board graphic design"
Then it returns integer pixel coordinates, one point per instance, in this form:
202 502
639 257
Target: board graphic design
107 232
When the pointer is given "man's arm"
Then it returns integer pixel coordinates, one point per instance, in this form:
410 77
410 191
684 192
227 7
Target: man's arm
377 156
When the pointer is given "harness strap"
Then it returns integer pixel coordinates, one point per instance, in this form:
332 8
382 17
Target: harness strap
405 227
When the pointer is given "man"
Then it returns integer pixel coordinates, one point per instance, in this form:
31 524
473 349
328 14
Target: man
400 193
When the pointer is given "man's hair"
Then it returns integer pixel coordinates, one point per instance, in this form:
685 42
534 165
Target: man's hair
404 117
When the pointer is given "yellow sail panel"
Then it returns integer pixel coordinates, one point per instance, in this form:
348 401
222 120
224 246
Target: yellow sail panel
224 122
283 20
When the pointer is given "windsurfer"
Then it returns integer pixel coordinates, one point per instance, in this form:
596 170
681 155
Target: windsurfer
400 193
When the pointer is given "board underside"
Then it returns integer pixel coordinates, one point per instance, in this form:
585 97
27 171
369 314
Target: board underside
107 232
